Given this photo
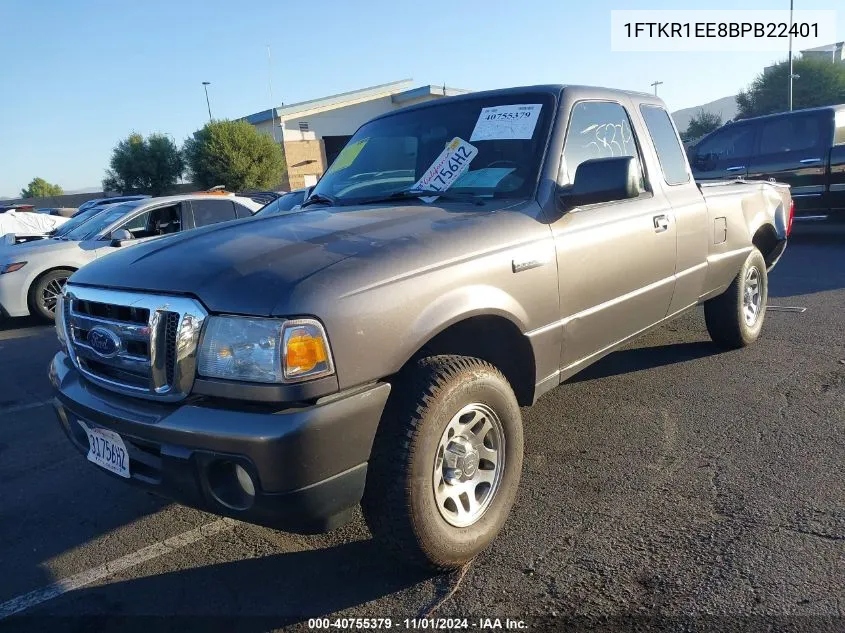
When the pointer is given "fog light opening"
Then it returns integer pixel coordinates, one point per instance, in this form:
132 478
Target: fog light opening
231 484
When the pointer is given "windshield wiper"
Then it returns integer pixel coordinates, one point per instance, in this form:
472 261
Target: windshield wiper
319 198
424 193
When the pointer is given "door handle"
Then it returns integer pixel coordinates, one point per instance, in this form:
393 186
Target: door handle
661 223
737 168
810 160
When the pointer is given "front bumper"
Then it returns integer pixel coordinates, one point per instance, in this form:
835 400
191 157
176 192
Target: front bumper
308 465
13 299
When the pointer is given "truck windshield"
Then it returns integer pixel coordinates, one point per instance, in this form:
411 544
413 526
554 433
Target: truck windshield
487 146
101 221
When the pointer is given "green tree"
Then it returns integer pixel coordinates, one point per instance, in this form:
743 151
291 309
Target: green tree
700 124
40 188
234 154
818 83
139 165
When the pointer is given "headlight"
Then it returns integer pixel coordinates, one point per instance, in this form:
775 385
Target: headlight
10 268
264 350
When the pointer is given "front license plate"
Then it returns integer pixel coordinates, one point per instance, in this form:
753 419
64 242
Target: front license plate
106 449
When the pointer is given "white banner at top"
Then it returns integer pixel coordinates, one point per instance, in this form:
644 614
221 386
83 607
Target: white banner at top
715 31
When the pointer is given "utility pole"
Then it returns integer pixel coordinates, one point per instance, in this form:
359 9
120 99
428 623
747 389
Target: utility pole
205 85
655 84
791 74
270 86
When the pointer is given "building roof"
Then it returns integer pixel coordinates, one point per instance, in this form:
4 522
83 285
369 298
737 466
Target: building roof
426 91
827 48
337 100
400 92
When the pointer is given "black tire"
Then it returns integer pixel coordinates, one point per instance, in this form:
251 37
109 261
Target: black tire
399 502
45 286
726 314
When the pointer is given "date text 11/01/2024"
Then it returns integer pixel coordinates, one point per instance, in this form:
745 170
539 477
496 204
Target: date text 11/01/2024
720 29
431 624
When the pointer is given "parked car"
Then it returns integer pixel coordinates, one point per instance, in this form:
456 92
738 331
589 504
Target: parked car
803 148
262 197
286 202
32 274
65 212
61 230
16 207
96 202
376 346
15 223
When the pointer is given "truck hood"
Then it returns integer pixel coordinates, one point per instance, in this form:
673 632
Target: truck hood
248 266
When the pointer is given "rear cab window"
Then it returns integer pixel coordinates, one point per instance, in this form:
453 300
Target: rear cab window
670 155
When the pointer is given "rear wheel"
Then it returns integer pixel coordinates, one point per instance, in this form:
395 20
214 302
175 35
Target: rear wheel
735 318
446 462
46 291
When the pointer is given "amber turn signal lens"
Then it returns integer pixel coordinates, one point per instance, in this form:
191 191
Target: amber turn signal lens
304 352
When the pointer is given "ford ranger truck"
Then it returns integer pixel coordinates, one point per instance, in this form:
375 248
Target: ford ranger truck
459 259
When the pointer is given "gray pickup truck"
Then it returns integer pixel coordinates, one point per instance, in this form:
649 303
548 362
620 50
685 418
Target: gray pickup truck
459 259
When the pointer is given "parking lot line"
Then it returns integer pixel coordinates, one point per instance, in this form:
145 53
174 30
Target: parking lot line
33 598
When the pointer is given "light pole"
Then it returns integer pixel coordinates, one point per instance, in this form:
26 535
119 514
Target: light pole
655 84
205 85
791 75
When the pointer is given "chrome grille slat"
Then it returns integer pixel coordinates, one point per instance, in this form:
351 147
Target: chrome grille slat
156 354
126 331
126 362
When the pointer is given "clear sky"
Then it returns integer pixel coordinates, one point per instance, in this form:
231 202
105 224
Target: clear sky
79 75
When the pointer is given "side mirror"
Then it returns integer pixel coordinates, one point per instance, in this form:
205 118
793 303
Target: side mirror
604 180
118 236
9 239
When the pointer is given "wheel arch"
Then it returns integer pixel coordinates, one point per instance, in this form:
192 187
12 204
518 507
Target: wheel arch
766 240
492 337
40 276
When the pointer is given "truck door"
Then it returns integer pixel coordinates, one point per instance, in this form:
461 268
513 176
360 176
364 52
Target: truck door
793 148
725 153
616 260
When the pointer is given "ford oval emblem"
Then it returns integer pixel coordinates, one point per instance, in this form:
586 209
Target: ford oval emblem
104 342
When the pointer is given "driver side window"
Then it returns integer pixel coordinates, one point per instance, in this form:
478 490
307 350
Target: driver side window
155 222
597 129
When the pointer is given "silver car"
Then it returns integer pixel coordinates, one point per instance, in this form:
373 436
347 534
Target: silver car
32 275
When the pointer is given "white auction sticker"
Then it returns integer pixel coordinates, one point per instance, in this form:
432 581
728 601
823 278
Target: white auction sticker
507 122
447 167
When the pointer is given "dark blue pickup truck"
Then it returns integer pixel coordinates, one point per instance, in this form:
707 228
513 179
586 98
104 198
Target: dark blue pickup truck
803 148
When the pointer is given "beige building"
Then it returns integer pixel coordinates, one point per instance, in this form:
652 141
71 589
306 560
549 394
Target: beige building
314 132
834 53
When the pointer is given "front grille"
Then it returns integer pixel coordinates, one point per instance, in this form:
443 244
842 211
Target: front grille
134 343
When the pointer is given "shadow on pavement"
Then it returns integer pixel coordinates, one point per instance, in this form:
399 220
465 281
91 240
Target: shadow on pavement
631 360
19 323
255 594
814 261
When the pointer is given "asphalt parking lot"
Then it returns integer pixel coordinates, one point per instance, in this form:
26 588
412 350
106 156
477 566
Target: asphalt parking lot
671 485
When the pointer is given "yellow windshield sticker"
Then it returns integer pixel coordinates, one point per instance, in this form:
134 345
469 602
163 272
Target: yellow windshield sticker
348 155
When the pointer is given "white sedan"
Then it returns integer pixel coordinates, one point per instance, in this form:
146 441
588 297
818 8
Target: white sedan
33 274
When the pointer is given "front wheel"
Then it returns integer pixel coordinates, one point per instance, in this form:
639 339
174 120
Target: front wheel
446 462
735 318
45 293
